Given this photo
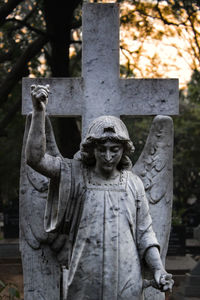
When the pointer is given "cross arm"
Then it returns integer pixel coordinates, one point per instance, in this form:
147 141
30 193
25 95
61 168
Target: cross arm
149 96
65 98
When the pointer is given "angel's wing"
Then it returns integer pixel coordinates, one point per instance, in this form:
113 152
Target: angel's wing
155 168
40 266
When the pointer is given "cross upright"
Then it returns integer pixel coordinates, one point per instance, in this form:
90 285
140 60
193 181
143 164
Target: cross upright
100 91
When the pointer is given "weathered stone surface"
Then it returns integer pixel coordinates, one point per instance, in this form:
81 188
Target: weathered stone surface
197 233
41 270
192 285
68 93
154 167
98 92
101 208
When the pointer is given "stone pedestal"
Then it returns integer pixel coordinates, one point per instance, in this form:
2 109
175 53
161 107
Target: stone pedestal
192 286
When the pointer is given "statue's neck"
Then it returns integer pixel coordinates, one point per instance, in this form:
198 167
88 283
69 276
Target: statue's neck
102 177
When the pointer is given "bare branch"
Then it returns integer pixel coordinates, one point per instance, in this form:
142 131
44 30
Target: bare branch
23 23
31 12
18 70
165 21
158 17
196 34
7 8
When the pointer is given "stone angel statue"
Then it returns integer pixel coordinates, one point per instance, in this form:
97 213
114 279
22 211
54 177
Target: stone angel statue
86 226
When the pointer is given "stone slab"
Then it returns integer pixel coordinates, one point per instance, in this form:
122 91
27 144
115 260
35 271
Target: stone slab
137 97
197 233
149 96
180 264
192 246
9 249
65 97
192 287
100 91
177 241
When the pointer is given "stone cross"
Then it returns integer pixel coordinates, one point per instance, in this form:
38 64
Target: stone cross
100 91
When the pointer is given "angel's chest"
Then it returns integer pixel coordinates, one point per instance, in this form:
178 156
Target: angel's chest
110 202
114 207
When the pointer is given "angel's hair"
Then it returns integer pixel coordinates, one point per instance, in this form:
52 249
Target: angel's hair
87 151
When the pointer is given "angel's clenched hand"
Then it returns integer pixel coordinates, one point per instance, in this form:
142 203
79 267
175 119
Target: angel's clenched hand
164 280
39 95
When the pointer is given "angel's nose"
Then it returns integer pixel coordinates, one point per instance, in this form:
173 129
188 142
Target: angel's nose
108 156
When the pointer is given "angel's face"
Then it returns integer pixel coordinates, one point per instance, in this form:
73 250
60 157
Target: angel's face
108 156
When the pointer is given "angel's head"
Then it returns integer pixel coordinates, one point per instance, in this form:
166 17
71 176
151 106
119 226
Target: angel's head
107 134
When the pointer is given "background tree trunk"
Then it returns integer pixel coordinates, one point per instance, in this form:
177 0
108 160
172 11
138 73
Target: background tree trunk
58 19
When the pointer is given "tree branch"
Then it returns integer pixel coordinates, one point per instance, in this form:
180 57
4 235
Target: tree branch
9 116
196 34
31 12
18 70
6 9
23 23
165 21
6 56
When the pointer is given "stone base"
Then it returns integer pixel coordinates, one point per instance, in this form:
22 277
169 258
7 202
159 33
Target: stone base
192 285
180 265
9 249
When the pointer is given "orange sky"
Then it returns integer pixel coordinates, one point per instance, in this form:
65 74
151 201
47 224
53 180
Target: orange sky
172 55
170 63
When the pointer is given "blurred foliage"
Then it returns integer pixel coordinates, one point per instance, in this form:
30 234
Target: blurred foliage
10 151
138 128
186 149
9 291
17 32
164 22
20 32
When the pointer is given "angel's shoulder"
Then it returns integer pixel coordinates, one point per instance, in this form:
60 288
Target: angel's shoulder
134 177
135 181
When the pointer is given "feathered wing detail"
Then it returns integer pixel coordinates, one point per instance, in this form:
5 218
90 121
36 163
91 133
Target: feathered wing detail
155 168
154 165
40 266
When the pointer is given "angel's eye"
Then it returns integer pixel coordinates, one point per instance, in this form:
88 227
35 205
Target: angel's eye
115 149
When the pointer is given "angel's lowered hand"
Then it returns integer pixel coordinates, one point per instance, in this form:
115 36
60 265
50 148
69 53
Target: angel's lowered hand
164 280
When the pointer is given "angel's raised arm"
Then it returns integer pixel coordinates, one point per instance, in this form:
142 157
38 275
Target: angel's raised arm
36 154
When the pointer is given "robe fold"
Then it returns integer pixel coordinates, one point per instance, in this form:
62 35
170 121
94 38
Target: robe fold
108 229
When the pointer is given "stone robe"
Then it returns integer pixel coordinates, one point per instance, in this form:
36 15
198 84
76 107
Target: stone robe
108 229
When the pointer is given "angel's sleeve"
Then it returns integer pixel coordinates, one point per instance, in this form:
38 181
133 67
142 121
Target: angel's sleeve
145 235
59 200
